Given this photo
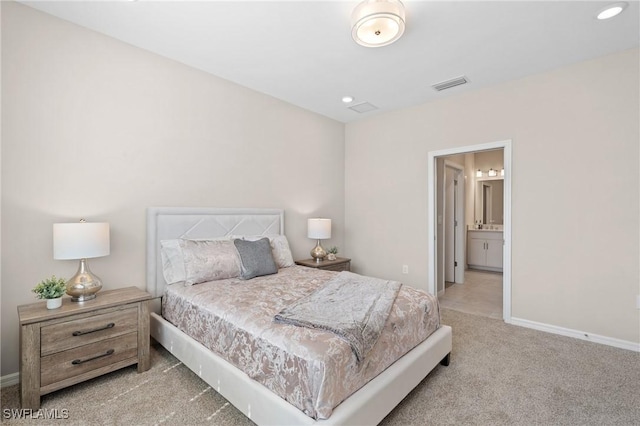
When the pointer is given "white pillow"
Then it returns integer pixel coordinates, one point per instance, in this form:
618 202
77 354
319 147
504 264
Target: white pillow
172 261
279 248
281 251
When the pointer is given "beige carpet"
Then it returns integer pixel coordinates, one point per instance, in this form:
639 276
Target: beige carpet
499 375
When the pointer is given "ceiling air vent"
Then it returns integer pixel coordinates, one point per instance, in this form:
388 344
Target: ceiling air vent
443 85
363 107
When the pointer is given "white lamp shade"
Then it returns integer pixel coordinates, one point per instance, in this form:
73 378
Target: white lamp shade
80 240
319 228
376 23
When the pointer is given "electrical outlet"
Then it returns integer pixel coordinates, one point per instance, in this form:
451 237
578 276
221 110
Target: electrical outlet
405 269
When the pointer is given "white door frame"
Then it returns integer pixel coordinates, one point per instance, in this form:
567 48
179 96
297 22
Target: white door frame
431 215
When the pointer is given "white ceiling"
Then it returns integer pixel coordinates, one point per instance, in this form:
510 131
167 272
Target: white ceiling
302 51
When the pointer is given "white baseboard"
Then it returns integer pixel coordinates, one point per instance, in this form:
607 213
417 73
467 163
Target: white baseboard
9 380
582 335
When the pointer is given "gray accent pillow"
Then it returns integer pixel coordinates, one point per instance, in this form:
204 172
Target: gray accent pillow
256 258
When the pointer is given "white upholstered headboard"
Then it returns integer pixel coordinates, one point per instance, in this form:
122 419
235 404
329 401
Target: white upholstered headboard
164 223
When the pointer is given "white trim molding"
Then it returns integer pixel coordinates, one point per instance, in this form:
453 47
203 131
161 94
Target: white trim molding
582 335
9 380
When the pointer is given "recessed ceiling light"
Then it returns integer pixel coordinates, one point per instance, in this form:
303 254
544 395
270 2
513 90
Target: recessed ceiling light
347 99
611 10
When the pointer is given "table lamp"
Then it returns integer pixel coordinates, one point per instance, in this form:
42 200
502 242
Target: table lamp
319 229
82 240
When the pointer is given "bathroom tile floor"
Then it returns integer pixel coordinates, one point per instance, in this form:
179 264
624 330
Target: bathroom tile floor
481 294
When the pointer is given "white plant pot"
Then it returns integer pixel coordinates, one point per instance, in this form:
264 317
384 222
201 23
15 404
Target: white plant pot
54 303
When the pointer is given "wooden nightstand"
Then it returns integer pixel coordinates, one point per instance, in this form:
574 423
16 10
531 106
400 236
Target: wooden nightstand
80 341
340 264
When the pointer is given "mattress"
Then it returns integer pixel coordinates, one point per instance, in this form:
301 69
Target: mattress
312 369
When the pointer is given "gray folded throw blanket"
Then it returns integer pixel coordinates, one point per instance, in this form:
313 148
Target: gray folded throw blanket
352 306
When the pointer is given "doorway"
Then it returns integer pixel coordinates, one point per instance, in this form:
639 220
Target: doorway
435 219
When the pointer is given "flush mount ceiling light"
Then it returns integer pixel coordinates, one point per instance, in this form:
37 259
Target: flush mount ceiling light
377 23
612 10
347 99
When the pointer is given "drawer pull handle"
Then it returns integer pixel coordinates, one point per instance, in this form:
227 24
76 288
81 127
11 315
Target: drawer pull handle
80 333
81 361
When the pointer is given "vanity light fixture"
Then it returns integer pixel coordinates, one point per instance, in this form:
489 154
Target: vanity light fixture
611 10
377 23
479 173
492 173
501 172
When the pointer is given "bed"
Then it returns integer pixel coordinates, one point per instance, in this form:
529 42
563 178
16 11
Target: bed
368 405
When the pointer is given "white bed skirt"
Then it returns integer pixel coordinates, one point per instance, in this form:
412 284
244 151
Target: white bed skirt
367 406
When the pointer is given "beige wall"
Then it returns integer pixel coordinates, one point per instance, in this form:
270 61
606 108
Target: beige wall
575 207
96 128
485 160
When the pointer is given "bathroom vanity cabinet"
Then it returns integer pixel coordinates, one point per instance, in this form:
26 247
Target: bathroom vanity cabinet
485 249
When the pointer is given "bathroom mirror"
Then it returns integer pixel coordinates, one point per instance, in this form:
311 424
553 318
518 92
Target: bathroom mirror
489 201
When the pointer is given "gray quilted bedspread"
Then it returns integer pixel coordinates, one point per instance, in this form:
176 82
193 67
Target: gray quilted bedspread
352 306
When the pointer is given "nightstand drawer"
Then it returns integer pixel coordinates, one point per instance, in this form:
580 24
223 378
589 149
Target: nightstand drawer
338 264
80 332
340 267
74 362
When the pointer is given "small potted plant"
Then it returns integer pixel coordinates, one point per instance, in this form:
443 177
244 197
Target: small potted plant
331 253
52 289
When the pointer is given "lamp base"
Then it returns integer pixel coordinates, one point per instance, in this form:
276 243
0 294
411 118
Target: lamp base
84 284
318 253
83 298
